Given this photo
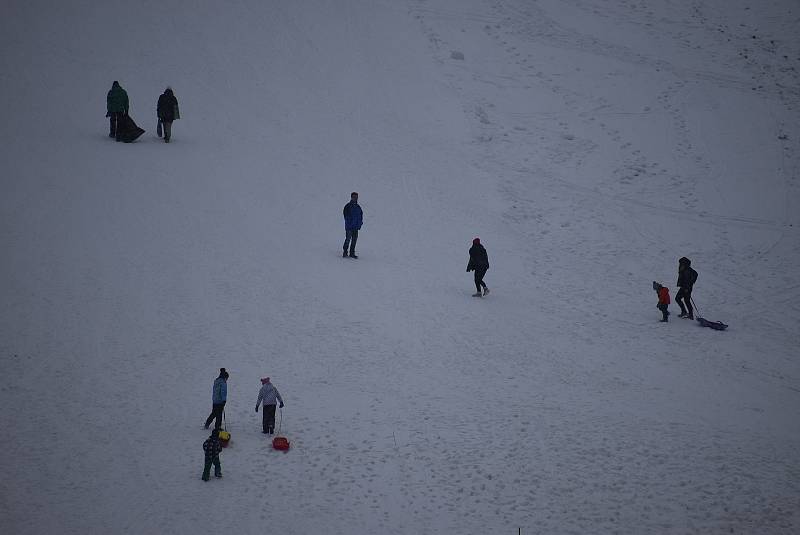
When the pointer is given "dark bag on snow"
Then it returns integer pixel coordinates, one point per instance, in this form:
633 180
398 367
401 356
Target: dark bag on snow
127 130
716 325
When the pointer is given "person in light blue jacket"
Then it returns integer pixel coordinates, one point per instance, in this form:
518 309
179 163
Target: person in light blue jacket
219 395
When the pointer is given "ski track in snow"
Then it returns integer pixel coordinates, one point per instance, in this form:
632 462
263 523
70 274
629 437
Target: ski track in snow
590 144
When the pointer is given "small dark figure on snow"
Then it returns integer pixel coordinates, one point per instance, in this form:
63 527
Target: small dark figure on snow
219 395
663 300
212 448
116 106
479 263
353 219
686 279
167 111
268 395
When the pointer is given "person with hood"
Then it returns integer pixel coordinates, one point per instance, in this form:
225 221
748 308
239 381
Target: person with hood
353 219
219 395
686 279
116 106
479 263
663 300
212 448
268 395
167 111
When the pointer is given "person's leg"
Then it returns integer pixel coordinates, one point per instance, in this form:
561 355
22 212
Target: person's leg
353 241
264 420
269 410
112 126
478 277
211 416
217 467
679 299
207 469
347 235
687 298
167 130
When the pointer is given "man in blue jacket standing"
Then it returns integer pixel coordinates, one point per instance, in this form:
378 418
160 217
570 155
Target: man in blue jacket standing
353 218
219 395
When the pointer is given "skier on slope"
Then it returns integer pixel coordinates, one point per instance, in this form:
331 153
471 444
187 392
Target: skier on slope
478 262
686 279
268 395
353 219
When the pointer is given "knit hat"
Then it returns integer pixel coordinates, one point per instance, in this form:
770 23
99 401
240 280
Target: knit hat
656 285
223 373
264 380
476 241
684 260
215 432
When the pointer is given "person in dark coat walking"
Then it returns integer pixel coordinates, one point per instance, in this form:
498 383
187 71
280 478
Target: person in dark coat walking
479 263
116 106
269 395
219 395
353 219
212 448
167 111
686 279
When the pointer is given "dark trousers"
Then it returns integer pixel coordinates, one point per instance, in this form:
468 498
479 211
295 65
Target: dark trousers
351 237
113 119
268 418
216 412
167 125
479 273
207 467
664 312
684 300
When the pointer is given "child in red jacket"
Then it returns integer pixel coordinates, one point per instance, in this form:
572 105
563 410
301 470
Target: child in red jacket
663 300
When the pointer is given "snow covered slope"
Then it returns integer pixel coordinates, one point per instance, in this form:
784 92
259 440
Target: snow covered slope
589 143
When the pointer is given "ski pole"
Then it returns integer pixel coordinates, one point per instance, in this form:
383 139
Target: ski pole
694 305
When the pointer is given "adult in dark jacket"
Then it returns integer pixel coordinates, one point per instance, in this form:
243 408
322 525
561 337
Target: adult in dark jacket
353 219
479 263
167 111
212 447
116 106
219 396
686 279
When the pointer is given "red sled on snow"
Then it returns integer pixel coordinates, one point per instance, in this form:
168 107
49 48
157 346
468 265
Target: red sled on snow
280 443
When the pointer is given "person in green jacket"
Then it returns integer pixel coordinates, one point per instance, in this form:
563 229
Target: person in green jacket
116 105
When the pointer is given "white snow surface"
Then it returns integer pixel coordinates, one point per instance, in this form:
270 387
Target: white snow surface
589 143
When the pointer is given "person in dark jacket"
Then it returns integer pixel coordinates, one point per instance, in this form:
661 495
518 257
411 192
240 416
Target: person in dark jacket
116 106
686 279
479 263
212 448
167 111
663 300
219 395
353 219
269 395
